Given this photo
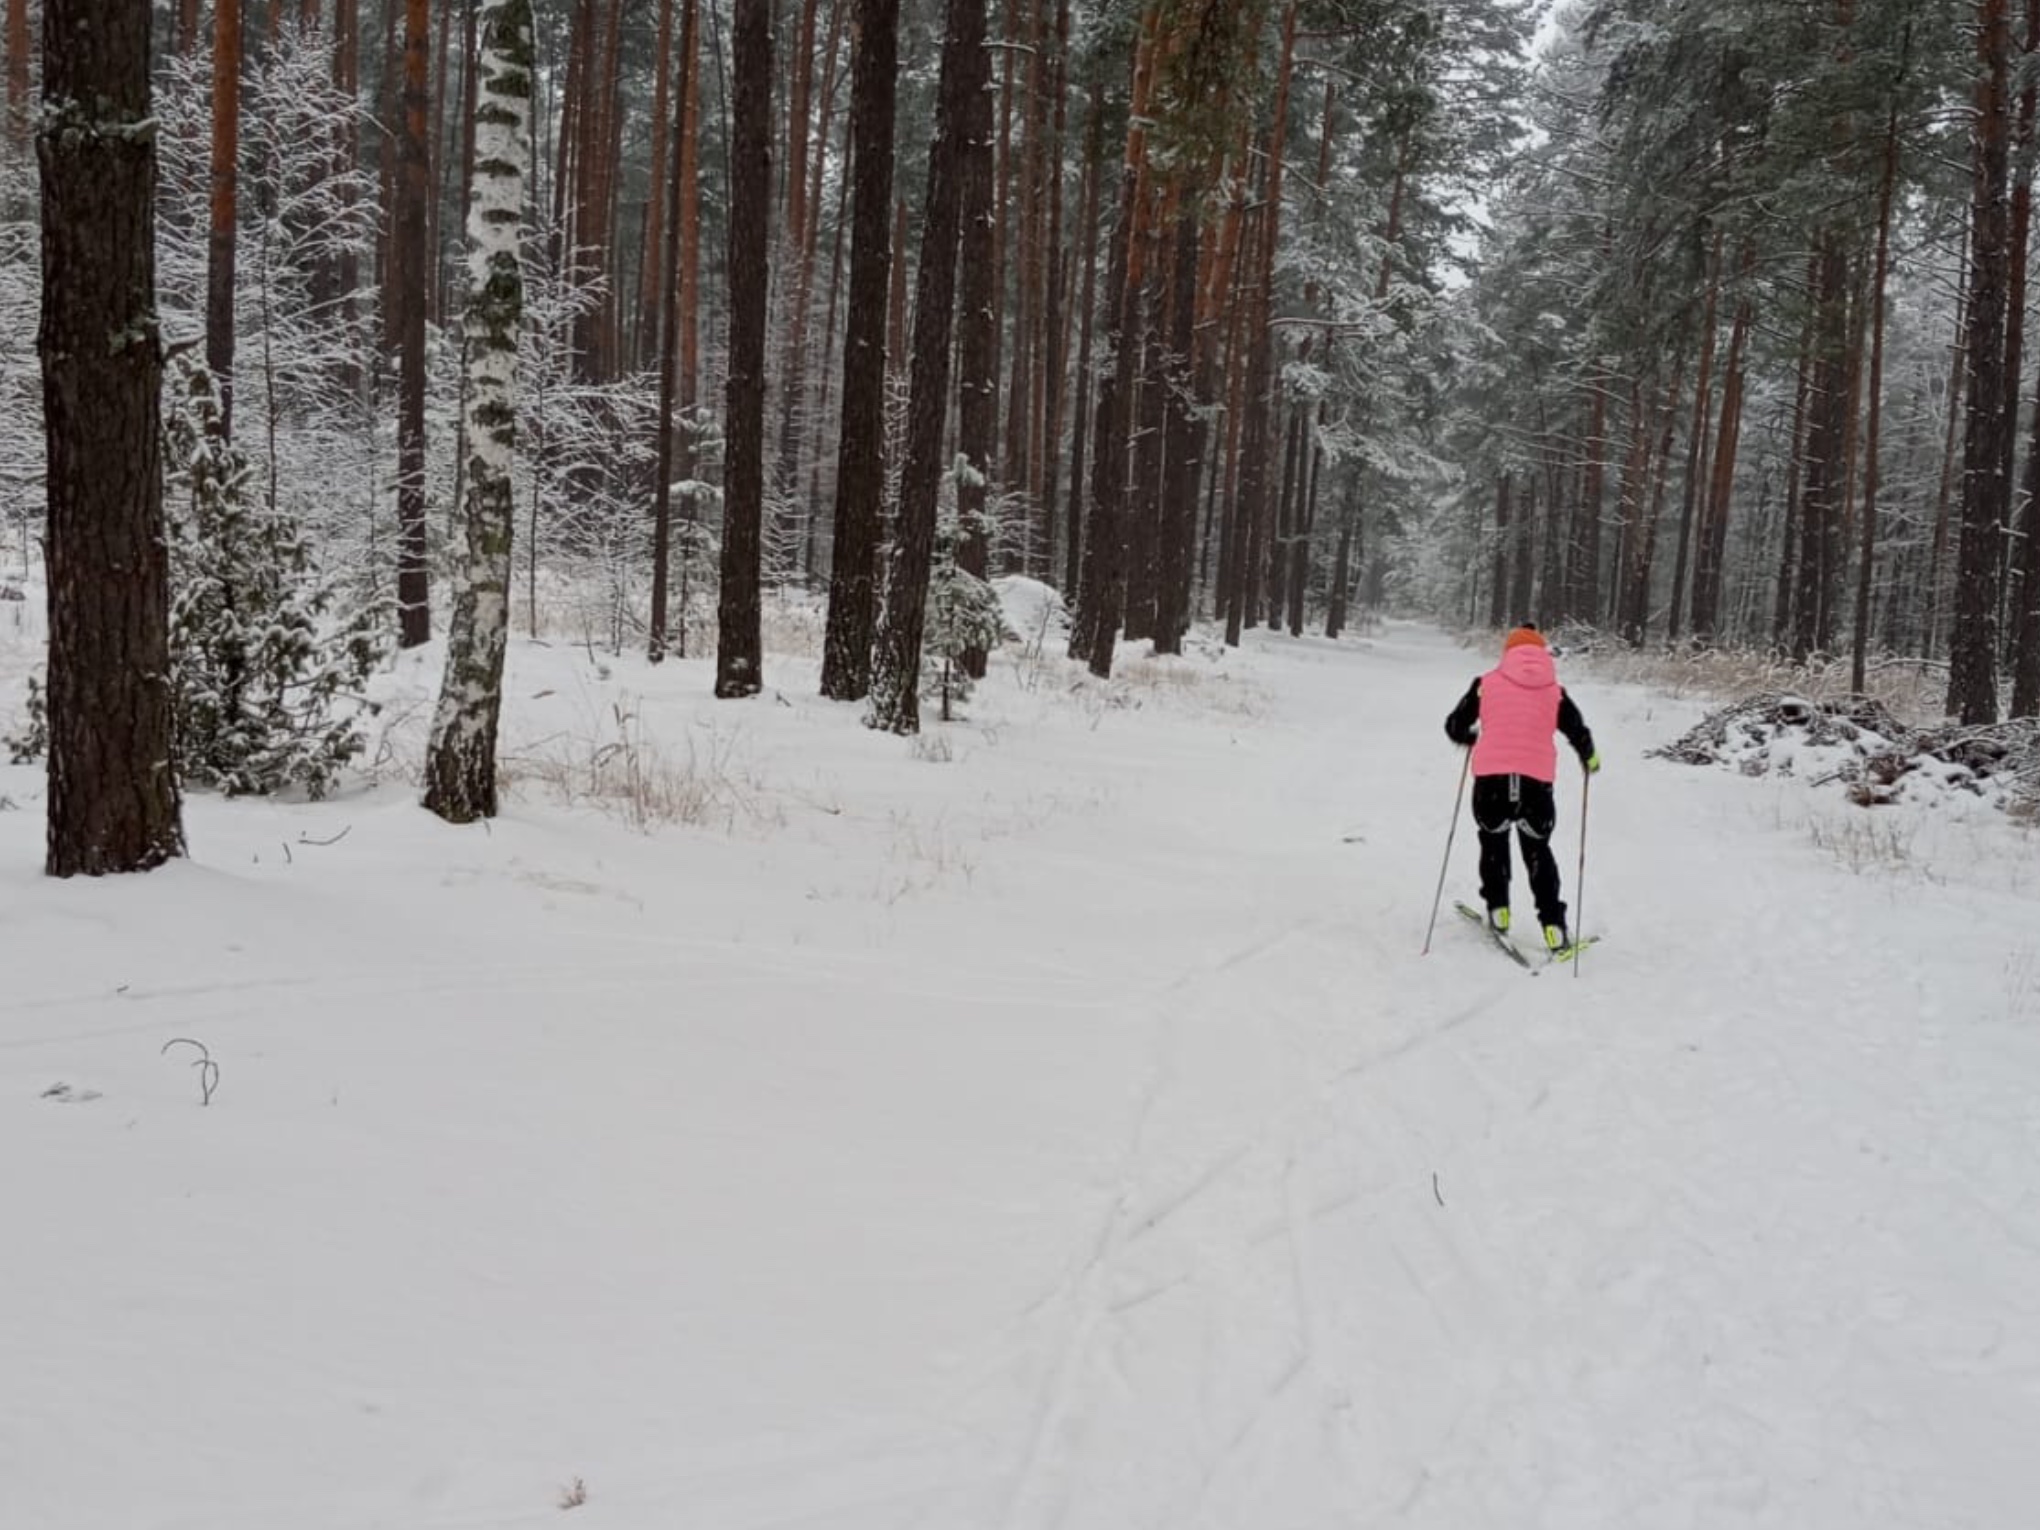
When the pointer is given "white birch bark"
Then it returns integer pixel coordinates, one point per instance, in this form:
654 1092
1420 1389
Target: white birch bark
460 767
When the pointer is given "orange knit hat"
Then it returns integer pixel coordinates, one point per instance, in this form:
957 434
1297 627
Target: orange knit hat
1521 636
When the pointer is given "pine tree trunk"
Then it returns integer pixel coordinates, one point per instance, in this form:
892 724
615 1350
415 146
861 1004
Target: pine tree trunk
739 656
435 159
1254 503
1710 556
896 669
1785 615
2021 225
1053 353
1972 655
687 285
977 334
1866 566
1148 419
2024 618
1498 589
1087 308
414 604
220 244
113 801
1522 546
658 253
460 764
1958 373
1186 384
1696 448
1101 589
665 301
860 462
1583 570
1826 470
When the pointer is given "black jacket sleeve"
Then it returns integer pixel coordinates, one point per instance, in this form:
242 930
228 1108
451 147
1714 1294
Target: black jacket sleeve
1574 727
1464 722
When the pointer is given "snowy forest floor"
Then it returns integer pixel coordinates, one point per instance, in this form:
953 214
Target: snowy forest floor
1052 1123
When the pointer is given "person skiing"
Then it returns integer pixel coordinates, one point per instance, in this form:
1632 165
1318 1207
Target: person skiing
1508 716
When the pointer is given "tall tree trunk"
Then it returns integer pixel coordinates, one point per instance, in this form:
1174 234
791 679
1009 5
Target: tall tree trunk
1867 555
1583 572
1087 308
414 603
226 169
667 304
1253 500
977 335
1185 383
896 669
1100 590
1958 375
656 260
1498 589
435 159
1697 442
860 460
2021 224
1785 614
113 803
739 655
1826 470
1053 352
687 287
1523 544
460 764
1972 655
1712 552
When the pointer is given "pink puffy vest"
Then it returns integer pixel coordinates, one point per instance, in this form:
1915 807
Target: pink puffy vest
1518 714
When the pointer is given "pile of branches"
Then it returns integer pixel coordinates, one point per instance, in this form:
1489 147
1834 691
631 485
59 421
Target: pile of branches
1875 753
1856 721
2000 757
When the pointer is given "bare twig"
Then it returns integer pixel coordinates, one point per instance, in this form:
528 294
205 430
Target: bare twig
208 1070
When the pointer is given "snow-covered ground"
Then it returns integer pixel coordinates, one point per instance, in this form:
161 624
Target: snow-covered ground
1052 1123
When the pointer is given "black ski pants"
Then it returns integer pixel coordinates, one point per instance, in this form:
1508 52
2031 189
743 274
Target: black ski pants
1528 805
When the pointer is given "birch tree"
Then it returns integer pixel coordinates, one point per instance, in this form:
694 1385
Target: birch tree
460 771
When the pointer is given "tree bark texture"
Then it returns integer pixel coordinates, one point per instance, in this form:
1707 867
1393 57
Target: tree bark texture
414 189
739 657
113 799
460 766
860 450
1972 653
896 676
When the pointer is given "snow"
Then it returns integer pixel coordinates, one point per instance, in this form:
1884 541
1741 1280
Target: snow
1057 1128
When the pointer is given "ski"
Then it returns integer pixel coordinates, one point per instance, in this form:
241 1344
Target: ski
1515 953
1502 942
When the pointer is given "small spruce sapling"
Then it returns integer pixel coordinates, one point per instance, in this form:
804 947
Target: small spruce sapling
33 741
963 615
262 668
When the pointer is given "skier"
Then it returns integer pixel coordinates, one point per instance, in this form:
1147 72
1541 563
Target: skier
1508 716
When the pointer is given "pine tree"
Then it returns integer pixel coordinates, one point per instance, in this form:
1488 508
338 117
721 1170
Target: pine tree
263 663
113 801
964 616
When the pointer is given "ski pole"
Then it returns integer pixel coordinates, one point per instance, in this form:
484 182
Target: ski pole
1580 882
1465 767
